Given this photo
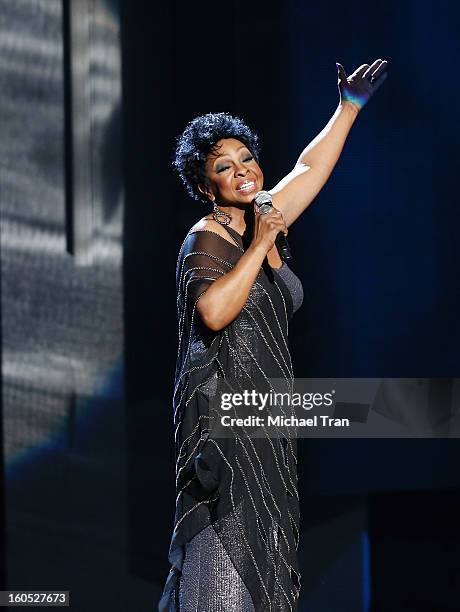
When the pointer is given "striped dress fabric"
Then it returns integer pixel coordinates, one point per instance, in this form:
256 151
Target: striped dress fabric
236 525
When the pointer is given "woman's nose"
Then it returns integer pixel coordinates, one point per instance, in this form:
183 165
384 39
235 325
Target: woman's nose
241 170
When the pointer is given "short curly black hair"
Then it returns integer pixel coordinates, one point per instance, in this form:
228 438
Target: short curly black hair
199 139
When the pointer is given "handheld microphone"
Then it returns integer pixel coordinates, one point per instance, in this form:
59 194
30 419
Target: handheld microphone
264 202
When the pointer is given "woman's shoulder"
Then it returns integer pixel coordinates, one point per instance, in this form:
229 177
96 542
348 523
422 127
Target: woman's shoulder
210 225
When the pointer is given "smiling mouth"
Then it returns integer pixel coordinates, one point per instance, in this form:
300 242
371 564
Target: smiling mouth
247 187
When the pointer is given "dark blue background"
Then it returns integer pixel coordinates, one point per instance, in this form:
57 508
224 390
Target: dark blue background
376 251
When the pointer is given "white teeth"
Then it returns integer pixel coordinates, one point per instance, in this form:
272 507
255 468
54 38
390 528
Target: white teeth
246 185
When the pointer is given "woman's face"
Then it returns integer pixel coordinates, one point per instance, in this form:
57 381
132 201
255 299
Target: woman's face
233 175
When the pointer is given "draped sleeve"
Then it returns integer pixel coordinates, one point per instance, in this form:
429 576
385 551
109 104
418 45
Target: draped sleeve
204 257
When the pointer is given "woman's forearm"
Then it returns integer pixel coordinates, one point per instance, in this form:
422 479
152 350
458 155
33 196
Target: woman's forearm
226 296
324 150
315 164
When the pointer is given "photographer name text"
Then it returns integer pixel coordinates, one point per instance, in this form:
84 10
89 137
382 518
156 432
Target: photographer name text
318 420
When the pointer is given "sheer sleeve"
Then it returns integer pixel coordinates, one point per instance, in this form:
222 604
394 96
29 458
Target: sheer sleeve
204 257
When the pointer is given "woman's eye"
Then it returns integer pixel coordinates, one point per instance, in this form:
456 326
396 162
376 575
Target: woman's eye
222 168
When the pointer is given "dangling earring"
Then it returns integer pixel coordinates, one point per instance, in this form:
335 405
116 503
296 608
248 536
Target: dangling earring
220 215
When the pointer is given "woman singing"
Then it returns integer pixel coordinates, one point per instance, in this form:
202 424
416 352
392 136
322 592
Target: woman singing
236 527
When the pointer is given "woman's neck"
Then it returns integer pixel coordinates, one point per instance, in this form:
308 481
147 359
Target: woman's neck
238 222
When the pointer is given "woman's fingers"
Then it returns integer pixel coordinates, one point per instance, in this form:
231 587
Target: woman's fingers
274 215
371 72
375 71
269 224
379 81
282 221
360 71
371 69
273 211
341 71
379 71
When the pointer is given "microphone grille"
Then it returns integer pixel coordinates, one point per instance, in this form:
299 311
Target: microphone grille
263 197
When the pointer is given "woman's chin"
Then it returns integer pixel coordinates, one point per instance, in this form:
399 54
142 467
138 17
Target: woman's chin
246 198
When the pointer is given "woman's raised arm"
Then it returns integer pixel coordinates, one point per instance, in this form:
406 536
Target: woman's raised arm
296 191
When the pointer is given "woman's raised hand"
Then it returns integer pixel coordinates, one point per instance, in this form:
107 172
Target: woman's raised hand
362 84
267 227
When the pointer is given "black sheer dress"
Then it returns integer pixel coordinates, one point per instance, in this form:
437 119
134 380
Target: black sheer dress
236 528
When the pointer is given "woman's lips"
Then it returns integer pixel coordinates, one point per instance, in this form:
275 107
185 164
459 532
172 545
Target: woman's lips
247 187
